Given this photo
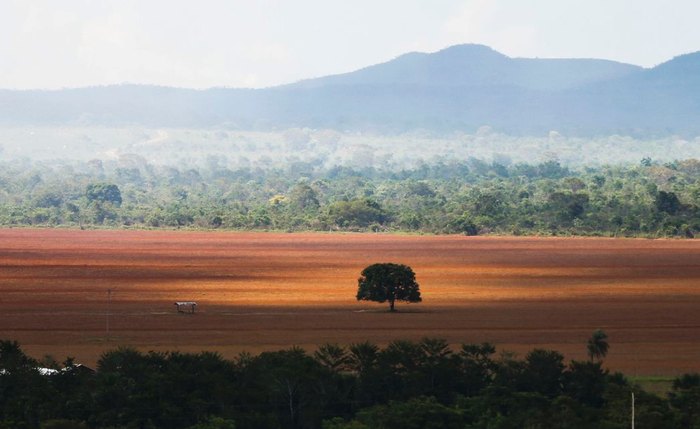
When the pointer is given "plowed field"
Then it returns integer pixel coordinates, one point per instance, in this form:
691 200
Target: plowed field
262 291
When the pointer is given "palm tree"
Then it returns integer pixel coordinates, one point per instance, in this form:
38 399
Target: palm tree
363 356
333 357
598 345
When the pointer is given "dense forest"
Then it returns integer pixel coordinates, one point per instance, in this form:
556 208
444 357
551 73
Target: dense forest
470 197
405 385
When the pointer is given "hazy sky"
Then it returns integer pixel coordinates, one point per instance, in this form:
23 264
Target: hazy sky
237 43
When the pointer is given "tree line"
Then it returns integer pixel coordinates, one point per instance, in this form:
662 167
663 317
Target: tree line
470 197
406 385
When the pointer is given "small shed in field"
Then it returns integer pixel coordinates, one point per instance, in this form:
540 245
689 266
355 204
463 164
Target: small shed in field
185 306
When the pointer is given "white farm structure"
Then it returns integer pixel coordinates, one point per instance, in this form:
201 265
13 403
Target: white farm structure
185 306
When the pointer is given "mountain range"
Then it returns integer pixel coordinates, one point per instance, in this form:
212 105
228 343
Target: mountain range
460 88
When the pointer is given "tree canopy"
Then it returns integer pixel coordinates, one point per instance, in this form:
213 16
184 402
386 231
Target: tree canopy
388 282
469 197
104 192
597 345
405 384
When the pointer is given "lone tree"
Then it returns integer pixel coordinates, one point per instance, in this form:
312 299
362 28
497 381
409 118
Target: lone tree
598 345
388 282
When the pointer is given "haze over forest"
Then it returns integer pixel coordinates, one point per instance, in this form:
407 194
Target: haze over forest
461 102
464 140
460 88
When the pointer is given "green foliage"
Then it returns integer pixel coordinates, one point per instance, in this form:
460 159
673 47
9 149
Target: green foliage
651 411
13 359
104 193
291 380
161 389
667 202
568 206
358 213
544 372
685 397
586 383
468 197
25 395
363 356
215 423
304 197
415 413
406 384
340 423
388 282
332 356
597 345
63 424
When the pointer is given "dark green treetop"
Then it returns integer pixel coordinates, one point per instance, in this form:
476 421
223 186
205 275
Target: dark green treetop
598 345
388 282
104 192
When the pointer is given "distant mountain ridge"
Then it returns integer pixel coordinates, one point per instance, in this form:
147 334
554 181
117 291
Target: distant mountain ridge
459 88
478 65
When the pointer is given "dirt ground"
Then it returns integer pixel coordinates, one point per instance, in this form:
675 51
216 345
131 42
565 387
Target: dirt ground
266 291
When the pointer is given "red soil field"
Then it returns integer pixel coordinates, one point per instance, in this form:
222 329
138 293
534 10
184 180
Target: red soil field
267 291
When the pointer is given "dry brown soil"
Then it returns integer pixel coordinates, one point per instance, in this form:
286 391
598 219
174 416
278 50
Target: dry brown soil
266 291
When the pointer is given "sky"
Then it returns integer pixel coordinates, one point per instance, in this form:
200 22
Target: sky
52 44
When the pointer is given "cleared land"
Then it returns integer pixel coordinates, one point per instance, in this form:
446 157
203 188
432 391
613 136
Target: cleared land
264 291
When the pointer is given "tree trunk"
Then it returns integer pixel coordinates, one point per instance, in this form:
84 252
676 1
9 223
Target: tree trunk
290 396
391 305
